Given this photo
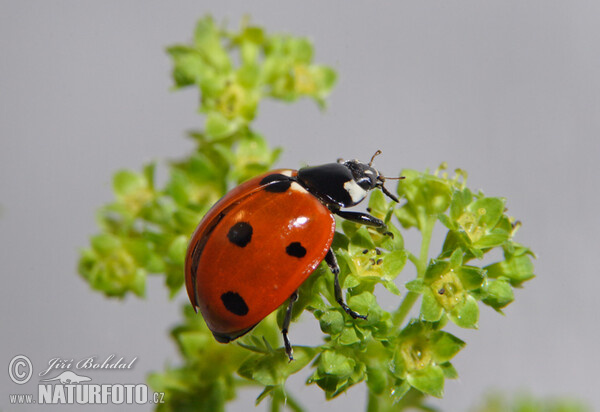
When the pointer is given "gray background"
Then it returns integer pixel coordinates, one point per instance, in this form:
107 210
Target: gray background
508 90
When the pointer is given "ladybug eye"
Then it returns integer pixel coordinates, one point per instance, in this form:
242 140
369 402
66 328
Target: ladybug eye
366 182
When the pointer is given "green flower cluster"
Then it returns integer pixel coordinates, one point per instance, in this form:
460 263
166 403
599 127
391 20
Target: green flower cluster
270 66
392 356
146 229
476 225
401 360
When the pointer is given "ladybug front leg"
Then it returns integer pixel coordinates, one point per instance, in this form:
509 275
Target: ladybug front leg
286 326
331 261
364 219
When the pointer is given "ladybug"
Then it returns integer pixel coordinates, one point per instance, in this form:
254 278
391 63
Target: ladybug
257 245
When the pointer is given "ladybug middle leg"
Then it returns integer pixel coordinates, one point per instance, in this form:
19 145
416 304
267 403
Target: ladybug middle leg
331 261
286 325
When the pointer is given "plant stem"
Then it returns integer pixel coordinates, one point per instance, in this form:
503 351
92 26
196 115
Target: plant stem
405 307
373 403
421 265
280 398
275 404
413 259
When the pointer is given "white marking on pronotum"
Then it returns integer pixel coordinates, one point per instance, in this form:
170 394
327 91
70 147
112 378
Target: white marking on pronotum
296 187
356 192
287 173
369 172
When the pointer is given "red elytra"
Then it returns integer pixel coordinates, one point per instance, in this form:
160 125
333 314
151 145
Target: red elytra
261 273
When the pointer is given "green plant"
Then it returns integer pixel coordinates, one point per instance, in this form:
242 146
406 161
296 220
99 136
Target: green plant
402 360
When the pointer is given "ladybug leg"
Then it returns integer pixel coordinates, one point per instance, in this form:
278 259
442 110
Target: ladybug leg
286 325
331 261
364 219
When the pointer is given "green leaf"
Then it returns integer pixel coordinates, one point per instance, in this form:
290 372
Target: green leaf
207 39
126 182
393 263
331 322
407 218
334 363
350 281
324 78
138 285
454 241
449 370
148 173
500 294
471 277
436 269
178 249
219 126
431 310
489 210
391 287
445 346
400 390
274 368
105 243
362 239
188 65
363 303
394 242
417 286
429 380
248 75
349 337
491 240
446 221
378 206
517 269
267 391
467 314
426 196
456 258
459 202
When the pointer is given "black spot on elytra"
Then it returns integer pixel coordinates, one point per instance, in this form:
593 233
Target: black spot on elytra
240 234
295 249
276 183
234 303
275 177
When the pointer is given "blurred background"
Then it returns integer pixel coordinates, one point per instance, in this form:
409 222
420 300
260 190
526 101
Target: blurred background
508 90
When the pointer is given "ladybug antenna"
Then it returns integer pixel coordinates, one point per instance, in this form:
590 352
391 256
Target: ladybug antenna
384 189
377 153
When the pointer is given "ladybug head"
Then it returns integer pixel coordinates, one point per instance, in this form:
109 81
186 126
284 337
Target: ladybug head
367 177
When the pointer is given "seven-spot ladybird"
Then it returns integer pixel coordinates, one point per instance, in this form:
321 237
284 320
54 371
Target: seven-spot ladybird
259 243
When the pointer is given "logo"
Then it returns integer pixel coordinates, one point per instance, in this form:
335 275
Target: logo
70 387
20 369
68 377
